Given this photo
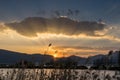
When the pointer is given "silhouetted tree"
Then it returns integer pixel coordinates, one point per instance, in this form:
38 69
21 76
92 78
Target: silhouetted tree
110 52
109 57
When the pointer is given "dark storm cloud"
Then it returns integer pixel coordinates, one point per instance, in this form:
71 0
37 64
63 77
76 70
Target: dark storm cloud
33 25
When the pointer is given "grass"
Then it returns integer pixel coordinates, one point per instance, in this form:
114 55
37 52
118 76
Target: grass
57 74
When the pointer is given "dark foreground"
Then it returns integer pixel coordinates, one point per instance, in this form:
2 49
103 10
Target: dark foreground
58 74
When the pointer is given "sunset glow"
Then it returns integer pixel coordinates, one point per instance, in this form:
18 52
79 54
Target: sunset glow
55 55
72 30
39 44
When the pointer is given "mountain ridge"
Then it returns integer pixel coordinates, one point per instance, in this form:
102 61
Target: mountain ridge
11 57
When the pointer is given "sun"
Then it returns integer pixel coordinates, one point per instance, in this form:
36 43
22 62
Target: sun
55 55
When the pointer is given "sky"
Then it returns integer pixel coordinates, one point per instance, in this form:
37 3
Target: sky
73 27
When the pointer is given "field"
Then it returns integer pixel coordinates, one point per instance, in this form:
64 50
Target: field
58 74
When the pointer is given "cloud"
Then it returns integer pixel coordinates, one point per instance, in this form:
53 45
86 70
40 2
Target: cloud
114 31
84 48
2 27
33 25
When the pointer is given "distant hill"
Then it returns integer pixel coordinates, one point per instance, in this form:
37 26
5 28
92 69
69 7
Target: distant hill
11 57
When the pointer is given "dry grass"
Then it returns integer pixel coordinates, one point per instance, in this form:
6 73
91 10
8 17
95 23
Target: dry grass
57 74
